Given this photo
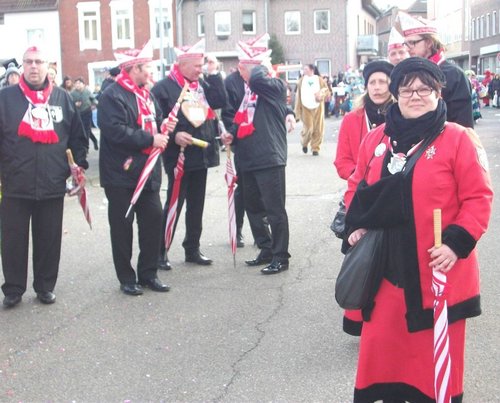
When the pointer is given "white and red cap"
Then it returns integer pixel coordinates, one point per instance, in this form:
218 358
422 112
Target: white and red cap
254 51
396 40
195 51
131 57
415 26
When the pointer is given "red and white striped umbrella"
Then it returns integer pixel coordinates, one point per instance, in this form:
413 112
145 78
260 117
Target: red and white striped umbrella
174 200
153 156
442 361
231 179
78 190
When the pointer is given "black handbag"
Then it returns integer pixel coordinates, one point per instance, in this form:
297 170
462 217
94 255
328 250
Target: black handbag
361 271
338 223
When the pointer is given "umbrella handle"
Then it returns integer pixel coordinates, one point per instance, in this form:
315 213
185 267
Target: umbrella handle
437 227
69 154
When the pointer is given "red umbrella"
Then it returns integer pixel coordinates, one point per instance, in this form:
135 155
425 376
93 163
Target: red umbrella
231 180
442 362
153 156
80 191
174 200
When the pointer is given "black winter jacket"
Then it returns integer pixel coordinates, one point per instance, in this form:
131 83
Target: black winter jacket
167 92
121 159
35 170
266 147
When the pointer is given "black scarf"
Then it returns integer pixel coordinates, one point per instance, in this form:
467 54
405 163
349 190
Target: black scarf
405 133
376 113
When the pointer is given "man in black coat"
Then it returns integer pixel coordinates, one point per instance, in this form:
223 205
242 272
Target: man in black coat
196 121
130 124
38 122
261 141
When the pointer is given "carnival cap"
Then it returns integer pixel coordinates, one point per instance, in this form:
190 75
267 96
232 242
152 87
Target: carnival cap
411 65
415 26
254 51
195 51
396 40
131 57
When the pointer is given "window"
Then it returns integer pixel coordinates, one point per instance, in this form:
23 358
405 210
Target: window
248 22
122 23
222 23
292 22
472 26
294 75
487 24
477 28
36 35
322 21
494 23
481 27
2 18
89 25
201 24
323 66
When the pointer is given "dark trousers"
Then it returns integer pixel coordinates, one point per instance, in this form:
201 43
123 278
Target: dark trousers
148 211
265 193
46 228
258 223
86 117
192 191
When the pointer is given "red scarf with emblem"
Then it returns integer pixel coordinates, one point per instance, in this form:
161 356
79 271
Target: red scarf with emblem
194 86
146 117
245 114
37 122
438 57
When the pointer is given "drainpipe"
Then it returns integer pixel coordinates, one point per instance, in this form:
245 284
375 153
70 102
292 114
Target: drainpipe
266 15
179 22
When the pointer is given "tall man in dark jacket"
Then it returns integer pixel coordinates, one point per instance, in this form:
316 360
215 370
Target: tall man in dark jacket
38 122
262 151
204 95
130 127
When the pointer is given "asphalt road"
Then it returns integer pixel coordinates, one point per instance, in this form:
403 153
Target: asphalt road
223 333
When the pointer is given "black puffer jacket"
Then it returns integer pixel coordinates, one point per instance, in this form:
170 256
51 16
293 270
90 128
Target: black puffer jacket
167 92
121 159
266 147
35 170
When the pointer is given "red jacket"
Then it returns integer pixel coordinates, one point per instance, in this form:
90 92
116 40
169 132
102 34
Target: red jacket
452 175
352 130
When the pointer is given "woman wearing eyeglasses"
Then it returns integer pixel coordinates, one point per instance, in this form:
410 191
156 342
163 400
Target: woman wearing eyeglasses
422 40
451 173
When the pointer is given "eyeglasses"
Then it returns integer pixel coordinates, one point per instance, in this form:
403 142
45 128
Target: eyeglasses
411 44
421 92
38 62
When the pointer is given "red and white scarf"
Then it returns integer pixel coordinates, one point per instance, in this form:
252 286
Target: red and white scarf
244 116
438 57
194 86
146 118
37 124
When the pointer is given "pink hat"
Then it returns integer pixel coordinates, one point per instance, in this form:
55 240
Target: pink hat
415 26
396 40
254 51
195 51
131 57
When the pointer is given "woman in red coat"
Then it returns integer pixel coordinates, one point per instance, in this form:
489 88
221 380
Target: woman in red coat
369 114
451 173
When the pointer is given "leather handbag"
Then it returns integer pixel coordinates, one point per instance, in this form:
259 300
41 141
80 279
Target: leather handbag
338 223
361 271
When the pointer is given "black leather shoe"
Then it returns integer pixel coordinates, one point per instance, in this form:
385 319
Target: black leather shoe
304 150
275 267
131 289
154 284
264 257
164 264
12 300
46 297
198 258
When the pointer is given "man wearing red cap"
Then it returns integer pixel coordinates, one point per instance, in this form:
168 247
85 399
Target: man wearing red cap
422 40
196 120
38 122
130 125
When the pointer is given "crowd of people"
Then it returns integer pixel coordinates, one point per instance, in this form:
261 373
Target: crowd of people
414 110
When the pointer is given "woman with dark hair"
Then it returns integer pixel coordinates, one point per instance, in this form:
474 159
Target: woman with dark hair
369 113
67 83
451 173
